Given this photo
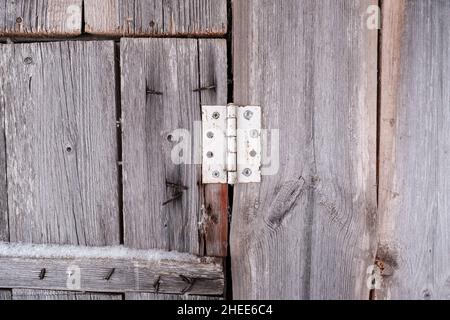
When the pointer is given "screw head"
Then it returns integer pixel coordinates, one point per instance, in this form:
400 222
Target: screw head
210 134
253 153
216 115
209 154
19 19
254 133
216 174
248 114
247 172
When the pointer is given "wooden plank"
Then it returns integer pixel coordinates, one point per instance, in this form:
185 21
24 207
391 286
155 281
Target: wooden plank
26 294
414 145
161 199
40 18
156 17
61 137
108 269
168 69
165 205
5 295
166 297
213 72
306 232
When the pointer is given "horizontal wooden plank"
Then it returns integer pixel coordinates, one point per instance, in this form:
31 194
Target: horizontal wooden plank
25 18
27 294
166 297
108 269
156 17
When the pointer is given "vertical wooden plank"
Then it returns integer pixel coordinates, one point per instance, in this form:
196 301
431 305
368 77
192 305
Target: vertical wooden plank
414 143
156 17
26 294
306 232
4 224
25 18
213 72
163 200
61 138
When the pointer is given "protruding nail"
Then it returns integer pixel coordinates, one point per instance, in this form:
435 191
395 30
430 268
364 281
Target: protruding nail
42 274
212 87
110 273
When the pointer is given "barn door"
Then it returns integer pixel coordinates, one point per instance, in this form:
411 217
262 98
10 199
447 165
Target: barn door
92 200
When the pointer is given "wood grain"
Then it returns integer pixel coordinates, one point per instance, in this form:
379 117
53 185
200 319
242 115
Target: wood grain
165 205
26 294
166 297
40 18
306 232
61 138
168 67
163 201
59 101
156 17
5 295
108 269
414 144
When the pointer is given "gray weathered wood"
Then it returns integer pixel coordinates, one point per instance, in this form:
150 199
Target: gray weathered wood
156 296
61 138
26 18
414 250
213 72
169 68
156 17
26 294
159 79
60 122
108 269
307 230
5 295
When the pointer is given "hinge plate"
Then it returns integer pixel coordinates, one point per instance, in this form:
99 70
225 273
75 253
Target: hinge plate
231 148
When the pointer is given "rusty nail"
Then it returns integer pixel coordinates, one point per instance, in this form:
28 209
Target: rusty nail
42 274
156 284
212 87
110 273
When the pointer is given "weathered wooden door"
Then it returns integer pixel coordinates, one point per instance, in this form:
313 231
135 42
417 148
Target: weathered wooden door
97 200
91 198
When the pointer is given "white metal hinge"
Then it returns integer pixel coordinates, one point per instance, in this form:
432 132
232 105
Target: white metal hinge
231 148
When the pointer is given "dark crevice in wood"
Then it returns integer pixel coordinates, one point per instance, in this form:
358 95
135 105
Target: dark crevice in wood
91 37
119 138
372 295
202 189
229 37
7 233
83 21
